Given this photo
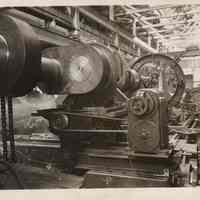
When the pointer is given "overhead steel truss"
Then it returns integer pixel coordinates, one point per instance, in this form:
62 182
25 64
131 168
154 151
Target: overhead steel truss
145 24
42 17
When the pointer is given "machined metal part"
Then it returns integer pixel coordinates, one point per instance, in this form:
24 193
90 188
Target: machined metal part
142 103
20 56
84 68
147 121
145 137
114 62
51 75
70 69
60 122
132 80
162 72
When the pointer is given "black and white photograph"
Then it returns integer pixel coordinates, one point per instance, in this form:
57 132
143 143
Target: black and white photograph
100 96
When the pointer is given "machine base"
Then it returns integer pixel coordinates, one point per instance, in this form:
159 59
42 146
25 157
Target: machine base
100 179
117 167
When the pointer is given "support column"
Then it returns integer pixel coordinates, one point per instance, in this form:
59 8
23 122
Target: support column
111 13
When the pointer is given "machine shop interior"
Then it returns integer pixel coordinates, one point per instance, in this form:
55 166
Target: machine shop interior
100 96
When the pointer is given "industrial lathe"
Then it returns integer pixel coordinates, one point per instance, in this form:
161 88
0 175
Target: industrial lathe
113 122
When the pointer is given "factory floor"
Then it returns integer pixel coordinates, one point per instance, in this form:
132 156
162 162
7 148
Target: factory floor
44 178
35 165
40 164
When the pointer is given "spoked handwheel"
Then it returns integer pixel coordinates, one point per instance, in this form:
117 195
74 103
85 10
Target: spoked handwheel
8 177
161 72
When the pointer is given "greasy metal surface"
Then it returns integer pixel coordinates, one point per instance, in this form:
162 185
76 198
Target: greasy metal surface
51 75
82 67
114 66
143 102
89 70
19 74
144 136
147 130
130 81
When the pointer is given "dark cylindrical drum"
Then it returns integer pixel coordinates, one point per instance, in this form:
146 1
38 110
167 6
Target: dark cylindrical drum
20 57
86 68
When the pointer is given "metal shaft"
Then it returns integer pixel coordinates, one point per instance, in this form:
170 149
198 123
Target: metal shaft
51 75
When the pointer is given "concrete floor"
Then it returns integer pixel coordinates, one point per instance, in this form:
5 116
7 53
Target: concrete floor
46 178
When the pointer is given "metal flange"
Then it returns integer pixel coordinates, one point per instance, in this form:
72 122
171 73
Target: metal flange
86 69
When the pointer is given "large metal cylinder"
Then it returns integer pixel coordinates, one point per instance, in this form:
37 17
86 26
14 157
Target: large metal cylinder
51 76
72 69
20 57
85 68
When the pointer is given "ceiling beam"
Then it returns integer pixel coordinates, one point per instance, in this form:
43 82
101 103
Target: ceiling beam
148 9
159 31
168 23
182 36
116 29
171 16
57 35
158 8
143 22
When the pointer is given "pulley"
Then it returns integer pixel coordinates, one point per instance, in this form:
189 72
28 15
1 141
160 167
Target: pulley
83 68
161 72
113 62
142 103
147 117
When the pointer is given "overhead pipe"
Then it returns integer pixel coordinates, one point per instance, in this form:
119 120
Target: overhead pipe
144 45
